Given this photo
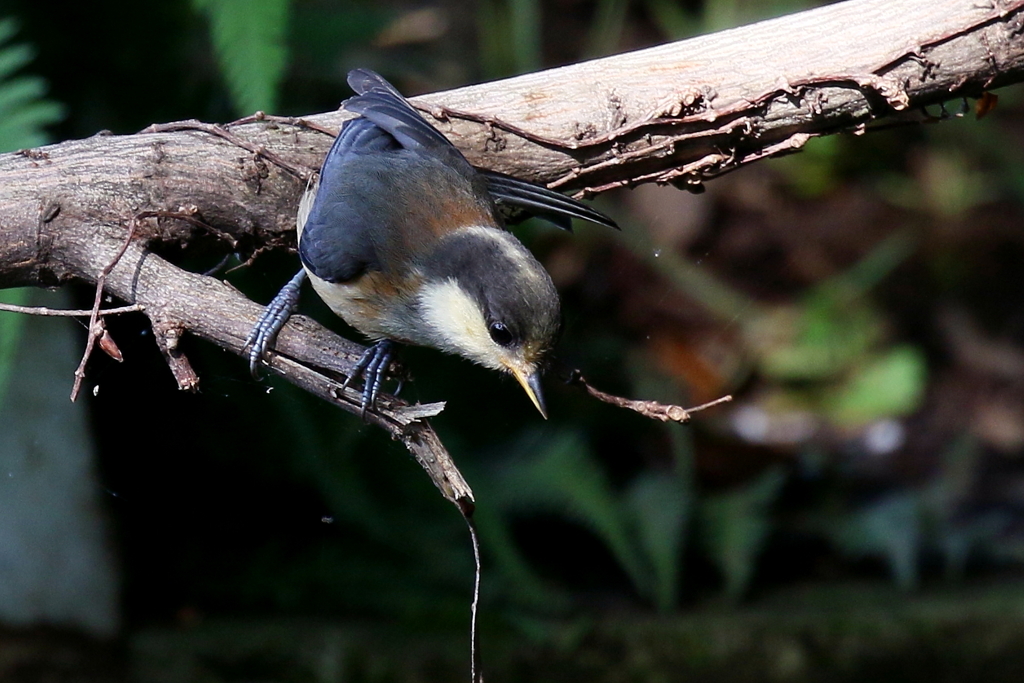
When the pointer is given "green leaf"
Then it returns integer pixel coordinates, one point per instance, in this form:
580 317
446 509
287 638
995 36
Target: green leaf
19 92
24 113
249 39
24 128
889 528
660 506
815 342
14 57
8 27
734 527
556 471
886 386
835 325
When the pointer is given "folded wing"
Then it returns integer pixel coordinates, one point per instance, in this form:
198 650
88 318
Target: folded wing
378 101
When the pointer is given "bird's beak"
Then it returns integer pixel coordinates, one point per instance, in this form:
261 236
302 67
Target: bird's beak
531 384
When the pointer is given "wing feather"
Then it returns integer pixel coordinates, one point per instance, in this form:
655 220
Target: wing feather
540 201
379 101
341 239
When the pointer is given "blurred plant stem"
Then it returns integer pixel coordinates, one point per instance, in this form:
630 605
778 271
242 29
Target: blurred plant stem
509 37
11 325
696 282
606 30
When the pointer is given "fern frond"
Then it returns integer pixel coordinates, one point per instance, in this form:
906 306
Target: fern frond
249 39
24 111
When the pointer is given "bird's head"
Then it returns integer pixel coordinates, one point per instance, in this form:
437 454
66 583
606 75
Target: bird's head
486 298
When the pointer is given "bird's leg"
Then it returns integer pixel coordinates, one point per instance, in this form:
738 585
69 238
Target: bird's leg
274 316
372 367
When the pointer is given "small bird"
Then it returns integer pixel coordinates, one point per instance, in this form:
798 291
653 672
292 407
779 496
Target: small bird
405 240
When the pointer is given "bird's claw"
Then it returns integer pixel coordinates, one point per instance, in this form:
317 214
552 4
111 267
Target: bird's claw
270 322
372 367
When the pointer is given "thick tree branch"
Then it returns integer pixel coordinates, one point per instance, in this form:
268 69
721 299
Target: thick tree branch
679 113
692 110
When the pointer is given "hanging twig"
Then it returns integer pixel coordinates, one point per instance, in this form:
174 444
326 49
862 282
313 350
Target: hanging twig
476 669
96 330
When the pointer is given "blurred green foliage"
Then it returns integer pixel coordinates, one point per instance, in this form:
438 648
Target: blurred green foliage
510 36
734 527
249 38
24 110
10 334
555 473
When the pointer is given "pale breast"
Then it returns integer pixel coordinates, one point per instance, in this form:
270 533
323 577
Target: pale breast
376 307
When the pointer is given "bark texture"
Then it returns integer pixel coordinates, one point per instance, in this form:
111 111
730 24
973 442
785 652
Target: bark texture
679 113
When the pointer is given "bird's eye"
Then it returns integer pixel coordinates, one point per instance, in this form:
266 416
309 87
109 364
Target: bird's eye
500 334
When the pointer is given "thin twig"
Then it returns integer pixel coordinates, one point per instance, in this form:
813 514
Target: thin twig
255 254
298 122
443 113
476 671
69 313
220 132
95 330
189 216
695 110
664 412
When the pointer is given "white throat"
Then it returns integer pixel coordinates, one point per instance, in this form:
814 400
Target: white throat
457 324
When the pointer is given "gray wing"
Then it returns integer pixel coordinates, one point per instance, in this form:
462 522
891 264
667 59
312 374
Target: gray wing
379 101
336 243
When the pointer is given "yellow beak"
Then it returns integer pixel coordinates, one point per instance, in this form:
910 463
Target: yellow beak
531 384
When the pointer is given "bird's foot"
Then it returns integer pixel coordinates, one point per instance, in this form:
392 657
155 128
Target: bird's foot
372 367
274 316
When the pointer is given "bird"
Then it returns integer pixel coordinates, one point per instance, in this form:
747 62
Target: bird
408 242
